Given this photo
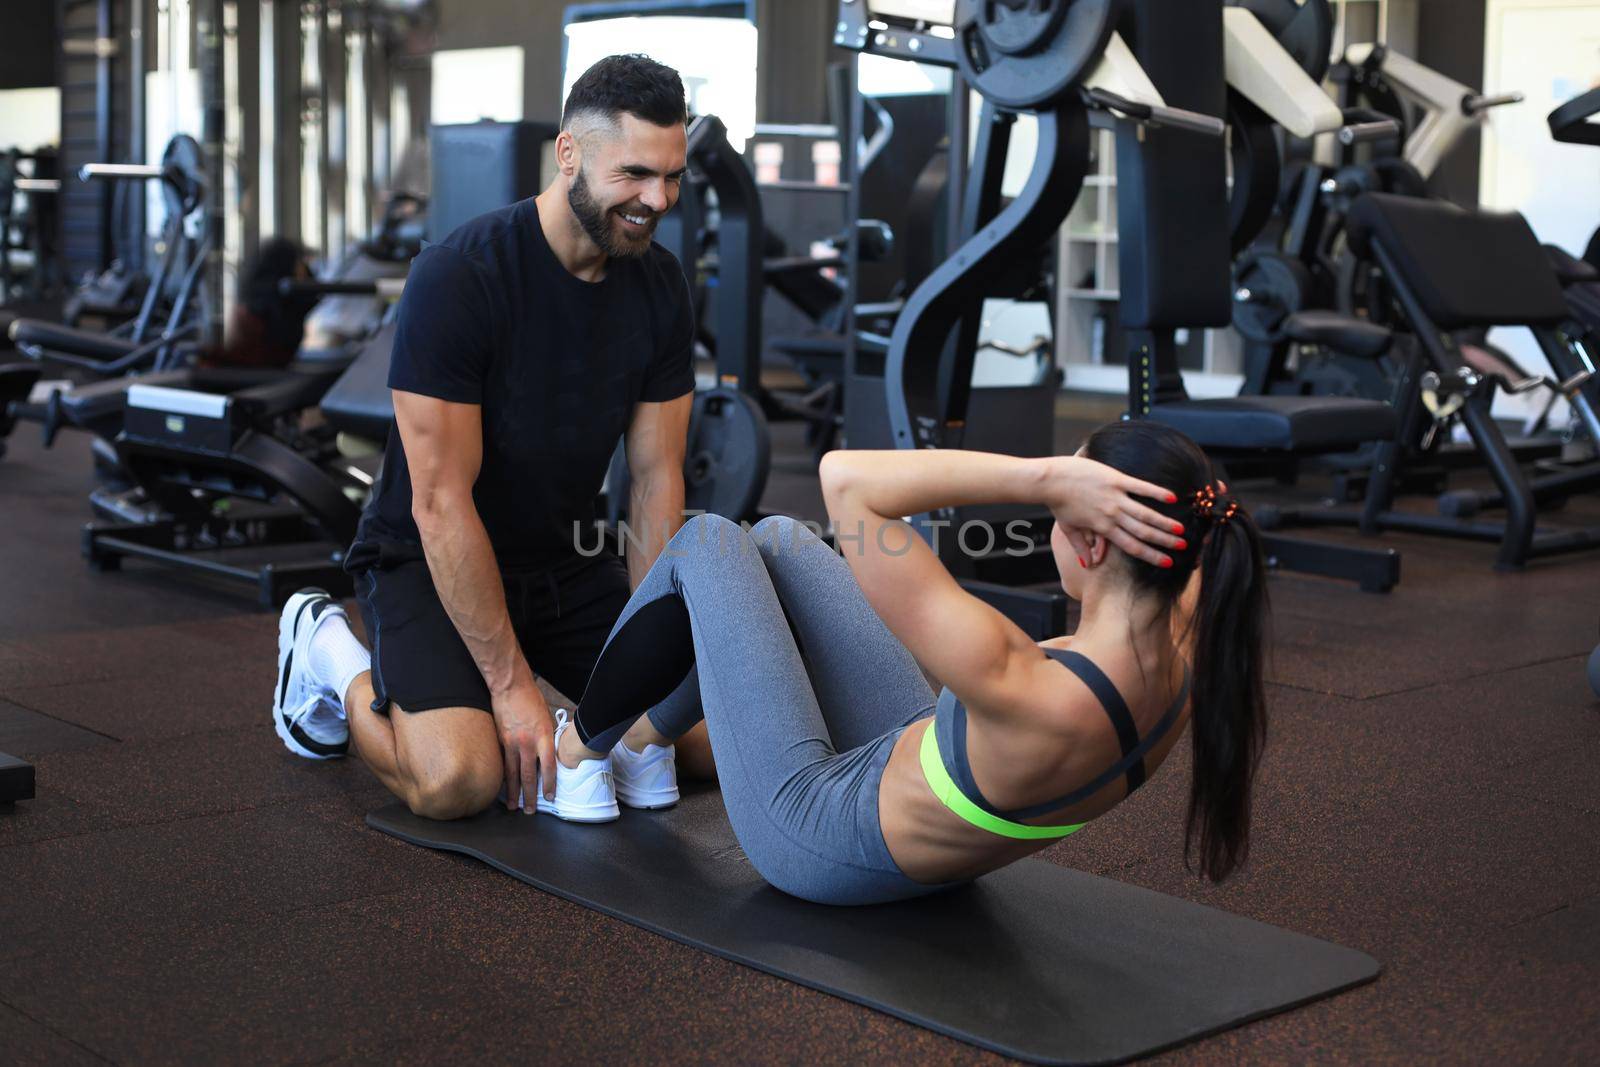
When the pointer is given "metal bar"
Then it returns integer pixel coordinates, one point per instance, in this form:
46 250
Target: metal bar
142 172
854 115
1374 570
136 132
123 547
796 129
16 780
102 129
213 127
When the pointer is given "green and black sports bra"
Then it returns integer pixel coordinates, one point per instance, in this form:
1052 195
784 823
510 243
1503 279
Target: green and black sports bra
949 775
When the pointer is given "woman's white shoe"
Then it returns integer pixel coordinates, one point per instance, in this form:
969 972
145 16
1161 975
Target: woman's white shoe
584 793
647 779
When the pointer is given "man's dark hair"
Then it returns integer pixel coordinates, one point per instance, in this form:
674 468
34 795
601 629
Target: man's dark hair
634 84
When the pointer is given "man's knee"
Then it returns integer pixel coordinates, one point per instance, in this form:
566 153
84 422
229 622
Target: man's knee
455 787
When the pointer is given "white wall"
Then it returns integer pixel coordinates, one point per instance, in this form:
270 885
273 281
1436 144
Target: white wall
477 83
1549 50
716 57
30 118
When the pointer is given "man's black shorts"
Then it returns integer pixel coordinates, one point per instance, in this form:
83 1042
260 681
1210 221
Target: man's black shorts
561 615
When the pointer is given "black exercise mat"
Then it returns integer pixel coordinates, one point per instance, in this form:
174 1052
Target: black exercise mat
1035 961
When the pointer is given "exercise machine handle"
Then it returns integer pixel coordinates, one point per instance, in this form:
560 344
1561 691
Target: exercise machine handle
38 185
1363 124
1040 344
1570 122
1156 114
1194 121
1362 132
143 172
1476 103
390 288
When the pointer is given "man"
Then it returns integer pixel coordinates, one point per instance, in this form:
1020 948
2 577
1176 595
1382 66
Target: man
528 341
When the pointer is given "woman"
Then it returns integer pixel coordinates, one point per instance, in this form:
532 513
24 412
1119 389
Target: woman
845 780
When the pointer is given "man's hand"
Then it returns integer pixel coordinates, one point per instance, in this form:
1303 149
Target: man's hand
1087 497
527 742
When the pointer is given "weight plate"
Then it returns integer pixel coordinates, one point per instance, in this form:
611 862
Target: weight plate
1278 285
725 465
1253 159
729 455
1016 27
184 156
1060 50
1304 29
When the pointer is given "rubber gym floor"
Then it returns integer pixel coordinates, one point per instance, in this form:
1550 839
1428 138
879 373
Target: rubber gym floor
183 889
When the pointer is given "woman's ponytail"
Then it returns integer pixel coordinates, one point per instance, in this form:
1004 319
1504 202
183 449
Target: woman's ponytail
1228 698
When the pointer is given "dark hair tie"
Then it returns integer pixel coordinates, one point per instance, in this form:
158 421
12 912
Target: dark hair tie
1207 505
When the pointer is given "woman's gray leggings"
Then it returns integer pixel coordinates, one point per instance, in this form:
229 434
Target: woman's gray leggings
766 635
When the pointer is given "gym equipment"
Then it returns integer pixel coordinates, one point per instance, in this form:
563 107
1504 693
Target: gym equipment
1068 54
1451 270
1572 123
742 262
30 229
16 780
1036 961
155 338
1275 53
725 464
1173 256
1449 109
212 452
480 163
1304 29
172 311
1172 237
349 310
1435 113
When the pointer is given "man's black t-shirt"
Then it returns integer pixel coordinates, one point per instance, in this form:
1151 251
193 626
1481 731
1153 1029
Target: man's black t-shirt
491 317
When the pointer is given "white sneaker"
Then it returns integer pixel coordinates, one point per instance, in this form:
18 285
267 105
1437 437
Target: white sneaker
584 793
305 712
647 779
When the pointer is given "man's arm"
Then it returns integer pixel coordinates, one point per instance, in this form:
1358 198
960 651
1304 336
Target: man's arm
444 449
655 445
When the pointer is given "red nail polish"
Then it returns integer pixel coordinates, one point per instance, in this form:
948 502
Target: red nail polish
1082 564
1183 546
1177 527
1172 498
1166 561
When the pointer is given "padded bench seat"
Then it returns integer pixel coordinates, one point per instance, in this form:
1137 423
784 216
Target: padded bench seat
1570 270
360 403
58 338
259 393
98 406
1342 333
1304 424
1466 268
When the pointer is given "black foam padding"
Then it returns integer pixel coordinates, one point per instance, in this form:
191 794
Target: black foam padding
1035 961
1467 268
360 402
16 779
1304 424
480 166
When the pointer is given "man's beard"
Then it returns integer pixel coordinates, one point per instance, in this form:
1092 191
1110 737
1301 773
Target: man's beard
599 226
